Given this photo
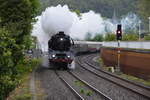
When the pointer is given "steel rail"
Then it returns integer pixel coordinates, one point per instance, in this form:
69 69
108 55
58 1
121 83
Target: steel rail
90 86
70 87
139 85
95 73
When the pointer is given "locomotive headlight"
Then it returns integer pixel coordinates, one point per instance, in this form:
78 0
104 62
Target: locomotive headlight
68 56
61 39
53 55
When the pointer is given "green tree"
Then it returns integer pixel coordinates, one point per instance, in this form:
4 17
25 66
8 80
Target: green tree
144 10
110 37
77 12
105 7
16 18
7 44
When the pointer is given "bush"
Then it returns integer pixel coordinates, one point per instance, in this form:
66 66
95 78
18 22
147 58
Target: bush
8 84
7 68
147 37
130 37
16 17
110 37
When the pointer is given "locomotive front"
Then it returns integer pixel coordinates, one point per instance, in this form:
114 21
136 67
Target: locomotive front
60 53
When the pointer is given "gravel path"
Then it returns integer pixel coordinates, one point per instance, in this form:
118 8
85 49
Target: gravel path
32 85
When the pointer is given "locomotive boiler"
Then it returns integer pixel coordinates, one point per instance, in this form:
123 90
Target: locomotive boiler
59 50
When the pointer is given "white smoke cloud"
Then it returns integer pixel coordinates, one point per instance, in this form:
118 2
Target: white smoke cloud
52 20
55 19
40 34
88 22
60 18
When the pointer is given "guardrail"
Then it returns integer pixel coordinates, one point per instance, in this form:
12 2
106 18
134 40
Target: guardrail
125 44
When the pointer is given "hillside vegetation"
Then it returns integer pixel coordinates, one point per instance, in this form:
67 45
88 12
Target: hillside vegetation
105 7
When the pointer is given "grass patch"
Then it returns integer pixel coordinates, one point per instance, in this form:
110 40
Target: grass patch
98 60
22 92
111 69
82 91
24 97
135 79
78 83
102 65
89 93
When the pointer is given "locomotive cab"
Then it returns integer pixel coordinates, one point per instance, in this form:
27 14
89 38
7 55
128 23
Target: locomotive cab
60 53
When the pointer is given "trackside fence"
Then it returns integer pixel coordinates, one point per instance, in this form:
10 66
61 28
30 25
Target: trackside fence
133 44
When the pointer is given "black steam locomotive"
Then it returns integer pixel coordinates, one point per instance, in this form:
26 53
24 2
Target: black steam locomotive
60 53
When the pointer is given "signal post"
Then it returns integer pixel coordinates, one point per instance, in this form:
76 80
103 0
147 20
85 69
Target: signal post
119 38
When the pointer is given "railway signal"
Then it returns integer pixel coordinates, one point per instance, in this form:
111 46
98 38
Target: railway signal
118 37
119 32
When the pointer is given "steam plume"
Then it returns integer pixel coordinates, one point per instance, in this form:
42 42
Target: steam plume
60 18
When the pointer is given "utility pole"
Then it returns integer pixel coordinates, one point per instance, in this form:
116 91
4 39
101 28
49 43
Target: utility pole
149 24
119 52
139 30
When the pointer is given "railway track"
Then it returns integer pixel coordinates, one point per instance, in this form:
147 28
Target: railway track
78 96
84 62
94 65
90 63
82 89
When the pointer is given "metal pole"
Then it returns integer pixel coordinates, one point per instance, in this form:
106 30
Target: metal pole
149 24
118 57
139 29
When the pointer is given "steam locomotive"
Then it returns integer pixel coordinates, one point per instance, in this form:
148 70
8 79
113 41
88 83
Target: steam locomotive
59 49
